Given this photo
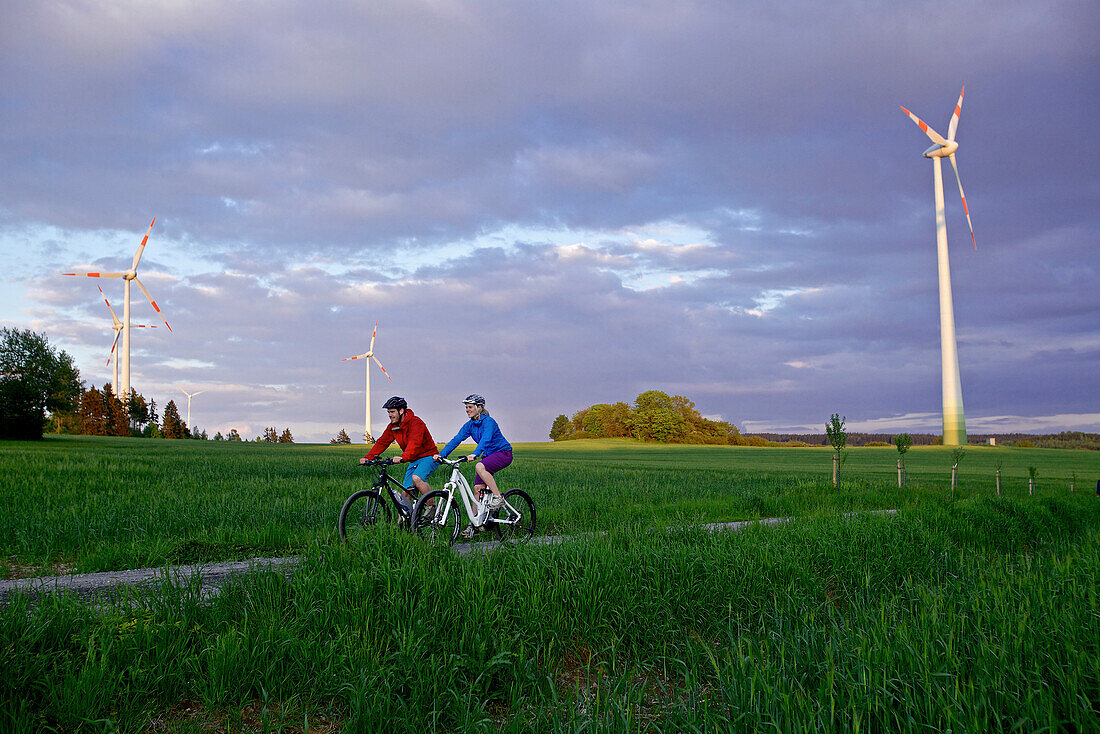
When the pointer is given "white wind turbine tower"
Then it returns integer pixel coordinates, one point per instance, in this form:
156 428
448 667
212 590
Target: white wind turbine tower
954 424
127 276
117 326
189 396
369 355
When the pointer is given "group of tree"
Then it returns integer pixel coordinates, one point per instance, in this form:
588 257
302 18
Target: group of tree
654 416
271 435
341 438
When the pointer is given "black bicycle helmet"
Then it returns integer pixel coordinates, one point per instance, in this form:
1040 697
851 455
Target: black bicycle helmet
396 403
475 399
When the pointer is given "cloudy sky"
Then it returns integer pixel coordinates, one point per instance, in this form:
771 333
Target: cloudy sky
560 203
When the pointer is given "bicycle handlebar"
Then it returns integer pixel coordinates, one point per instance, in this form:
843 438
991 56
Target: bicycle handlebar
452 462
376 462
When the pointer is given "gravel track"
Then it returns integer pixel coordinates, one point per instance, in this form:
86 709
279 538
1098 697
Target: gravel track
213 576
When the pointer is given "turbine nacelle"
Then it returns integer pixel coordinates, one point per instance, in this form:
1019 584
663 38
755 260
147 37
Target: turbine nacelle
941 151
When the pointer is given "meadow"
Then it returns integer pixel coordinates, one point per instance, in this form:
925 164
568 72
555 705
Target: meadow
83 504
965 611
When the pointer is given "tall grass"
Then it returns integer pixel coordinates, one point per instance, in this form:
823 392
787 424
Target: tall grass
94 504
970 614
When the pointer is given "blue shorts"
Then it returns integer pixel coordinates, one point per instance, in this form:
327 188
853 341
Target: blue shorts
422 468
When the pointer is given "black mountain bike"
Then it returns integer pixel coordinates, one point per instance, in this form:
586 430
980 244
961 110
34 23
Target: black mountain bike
369 507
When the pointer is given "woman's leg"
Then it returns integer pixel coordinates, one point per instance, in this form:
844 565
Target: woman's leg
487 478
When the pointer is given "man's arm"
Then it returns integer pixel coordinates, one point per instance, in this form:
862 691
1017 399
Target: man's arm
380 445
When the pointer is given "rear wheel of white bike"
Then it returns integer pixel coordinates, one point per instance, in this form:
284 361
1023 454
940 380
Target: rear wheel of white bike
429 521
515 520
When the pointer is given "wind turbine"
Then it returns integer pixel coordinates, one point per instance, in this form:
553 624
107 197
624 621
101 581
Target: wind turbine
189 396
954 424
117 326
127 276
369 355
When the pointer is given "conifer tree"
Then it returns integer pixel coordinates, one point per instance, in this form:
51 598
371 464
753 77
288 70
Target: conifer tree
93 413
173 426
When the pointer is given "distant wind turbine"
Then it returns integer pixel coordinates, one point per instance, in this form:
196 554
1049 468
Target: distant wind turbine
117 326
131 274
369 355
954 424
189 396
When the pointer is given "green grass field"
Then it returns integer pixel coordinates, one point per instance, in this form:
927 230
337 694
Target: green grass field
96 504
964 612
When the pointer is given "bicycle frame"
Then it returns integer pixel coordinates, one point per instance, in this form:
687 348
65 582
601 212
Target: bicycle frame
458 483
392 485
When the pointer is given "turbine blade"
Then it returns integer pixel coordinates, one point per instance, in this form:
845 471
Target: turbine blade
113 345
152 302
98 275
141 248
371 347
966 209
932 134
358 356
107 302
387 374
200 392
954 124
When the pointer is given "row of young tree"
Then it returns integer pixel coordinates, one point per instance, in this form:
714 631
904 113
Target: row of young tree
654 416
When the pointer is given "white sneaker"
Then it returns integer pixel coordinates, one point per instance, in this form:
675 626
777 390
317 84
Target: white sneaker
468 532
496 502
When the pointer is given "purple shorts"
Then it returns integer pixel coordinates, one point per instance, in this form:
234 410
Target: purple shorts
495 462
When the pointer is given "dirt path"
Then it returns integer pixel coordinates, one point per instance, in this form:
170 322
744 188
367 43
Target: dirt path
213 576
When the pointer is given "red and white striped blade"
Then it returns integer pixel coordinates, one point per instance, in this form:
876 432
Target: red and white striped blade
98 275
966 209
954 124
152 302
370 349
107 302
387 374
935 136
358 356
113 345
141 247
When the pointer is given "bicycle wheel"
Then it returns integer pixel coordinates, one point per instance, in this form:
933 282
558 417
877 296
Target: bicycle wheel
429 522
515 520
362 510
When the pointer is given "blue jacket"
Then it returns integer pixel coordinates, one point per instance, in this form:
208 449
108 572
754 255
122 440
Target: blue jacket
485 431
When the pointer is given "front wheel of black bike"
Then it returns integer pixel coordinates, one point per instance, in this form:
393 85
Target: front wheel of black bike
515 520
433 521
363 510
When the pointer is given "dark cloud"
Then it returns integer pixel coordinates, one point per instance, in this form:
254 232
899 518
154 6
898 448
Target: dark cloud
562 203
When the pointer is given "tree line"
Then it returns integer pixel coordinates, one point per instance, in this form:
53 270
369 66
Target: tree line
41 389
654 416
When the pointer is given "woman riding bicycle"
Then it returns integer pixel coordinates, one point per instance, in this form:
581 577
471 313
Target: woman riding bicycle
493 449
417 446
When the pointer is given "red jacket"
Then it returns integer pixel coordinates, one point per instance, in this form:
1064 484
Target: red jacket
411 435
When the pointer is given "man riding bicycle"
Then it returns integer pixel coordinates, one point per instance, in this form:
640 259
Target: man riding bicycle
417 447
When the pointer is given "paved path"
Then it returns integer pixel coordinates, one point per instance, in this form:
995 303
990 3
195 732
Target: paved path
215 575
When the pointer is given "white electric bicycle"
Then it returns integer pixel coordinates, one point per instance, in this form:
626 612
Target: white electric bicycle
436 516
